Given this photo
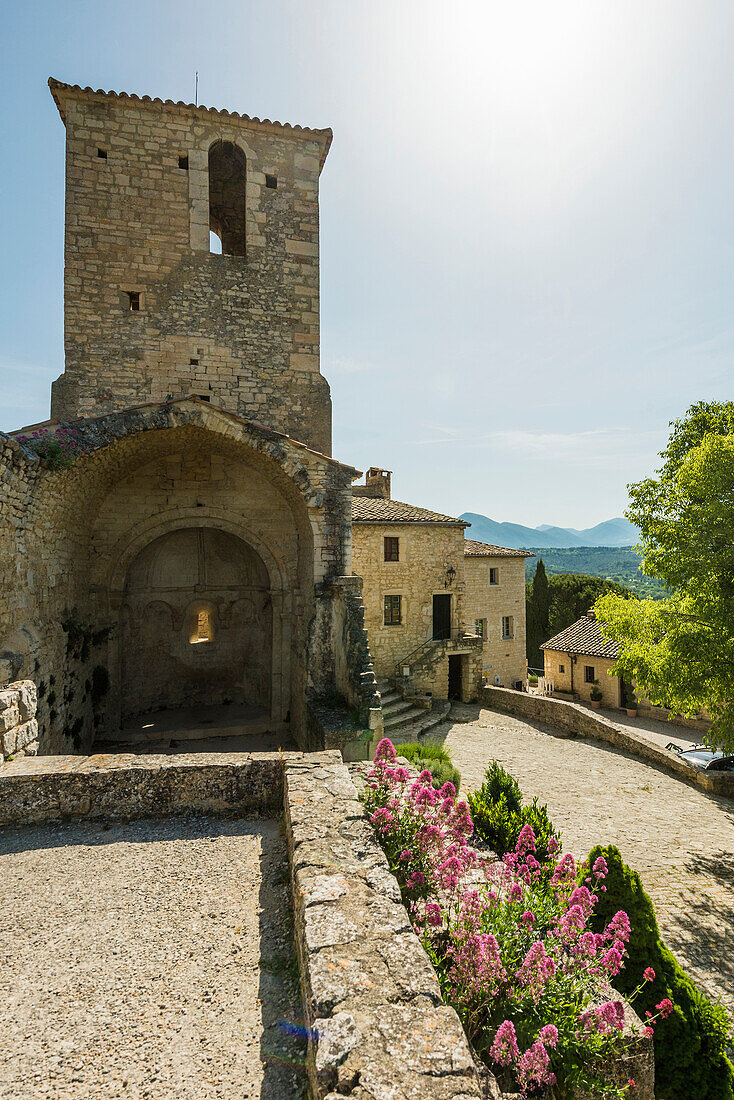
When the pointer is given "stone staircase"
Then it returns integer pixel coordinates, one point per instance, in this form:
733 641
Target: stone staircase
402 720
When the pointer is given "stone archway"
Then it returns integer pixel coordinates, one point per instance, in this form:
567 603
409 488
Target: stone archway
196 624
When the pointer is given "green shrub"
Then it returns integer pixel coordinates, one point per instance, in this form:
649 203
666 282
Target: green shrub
499 815
433 757
499 784
690 1045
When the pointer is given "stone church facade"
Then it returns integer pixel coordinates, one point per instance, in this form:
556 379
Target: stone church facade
178 534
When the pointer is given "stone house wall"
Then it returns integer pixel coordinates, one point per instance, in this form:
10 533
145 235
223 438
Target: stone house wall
609 685
426 551
241 331
505 658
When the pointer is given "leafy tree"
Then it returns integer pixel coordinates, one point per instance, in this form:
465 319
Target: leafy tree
680 650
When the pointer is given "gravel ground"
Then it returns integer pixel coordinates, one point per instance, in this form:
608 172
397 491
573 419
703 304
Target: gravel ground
147 959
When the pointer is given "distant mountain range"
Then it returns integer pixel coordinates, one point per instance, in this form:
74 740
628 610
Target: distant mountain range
612 532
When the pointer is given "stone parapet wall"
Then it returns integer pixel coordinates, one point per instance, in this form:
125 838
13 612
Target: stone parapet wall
18 725
377 1024
575 720
63 788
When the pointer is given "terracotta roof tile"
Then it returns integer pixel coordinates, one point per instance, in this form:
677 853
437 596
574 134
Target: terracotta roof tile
379 510
58 88
584 638
474 549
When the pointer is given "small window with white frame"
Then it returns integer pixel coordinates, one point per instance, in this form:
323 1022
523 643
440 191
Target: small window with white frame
480 628
508 627
494 575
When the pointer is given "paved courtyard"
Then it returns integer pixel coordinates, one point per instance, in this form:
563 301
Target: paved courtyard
147 959
680 839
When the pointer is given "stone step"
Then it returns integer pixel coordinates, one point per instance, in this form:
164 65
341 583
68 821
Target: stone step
395 706
405 718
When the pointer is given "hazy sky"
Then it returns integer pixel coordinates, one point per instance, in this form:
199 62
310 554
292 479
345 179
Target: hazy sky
527 260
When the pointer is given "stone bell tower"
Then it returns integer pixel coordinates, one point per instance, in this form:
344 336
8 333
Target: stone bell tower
191 261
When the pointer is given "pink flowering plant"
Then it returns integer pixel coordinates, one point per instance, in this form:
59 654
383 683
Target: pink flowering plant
57 449
509 939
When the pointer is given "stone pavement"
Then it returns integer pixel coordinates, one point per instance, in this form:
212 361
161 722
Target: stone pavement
680 839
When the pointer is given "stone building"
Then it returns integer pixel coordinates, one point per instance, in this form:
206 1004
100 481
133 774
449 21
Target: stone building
197 548
178 535
580 657
443 613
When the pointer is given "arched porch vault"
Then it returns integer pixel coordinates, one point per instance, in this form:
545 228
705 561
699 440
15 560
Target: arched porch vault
147 471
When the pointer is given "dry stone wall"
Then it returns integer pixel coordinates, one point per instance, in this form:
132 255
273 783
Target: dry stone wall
18 725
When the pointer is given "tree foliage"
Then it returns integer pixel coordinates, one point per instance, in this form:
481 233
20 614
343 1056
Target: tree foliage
553 603
680 650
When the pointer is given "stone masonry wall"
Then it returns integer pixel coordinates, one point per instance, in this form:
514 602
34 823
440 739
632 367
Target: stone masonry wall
502 657
609 686
242 332
68 536
426 550
18 726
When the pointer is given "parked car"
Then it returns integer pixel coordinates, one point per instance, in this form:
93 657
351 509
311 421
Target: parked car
701 756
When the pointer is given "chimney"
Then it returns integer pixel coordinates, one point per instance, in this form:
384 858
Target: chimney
377 484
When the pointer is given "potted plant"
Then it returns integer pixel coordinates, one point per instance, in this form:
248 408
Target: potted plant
631 705
595 695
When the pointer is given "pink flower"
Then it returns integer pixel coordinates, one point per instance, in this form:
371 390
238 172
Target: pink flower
433 914
525 841
600 868
405 855
383 820
612 961
385 750
649 974
665 1007
416 880
528 918
515 893
548 1035
504 1049
448 791
533 1068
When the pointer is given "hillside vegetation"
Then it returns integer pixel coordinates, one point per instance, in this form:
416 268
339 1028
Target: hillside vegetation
615 563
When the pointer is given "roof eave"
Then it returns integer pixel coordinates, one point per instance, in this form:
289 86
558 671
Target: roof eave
61 91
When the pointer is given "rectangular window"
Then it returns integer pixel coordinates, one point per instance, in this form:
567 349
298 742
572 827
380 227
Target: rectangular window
494 576
102 154
271 181
183 162
393 610
133 301
508 627
480 628
589 676
561 668
392 548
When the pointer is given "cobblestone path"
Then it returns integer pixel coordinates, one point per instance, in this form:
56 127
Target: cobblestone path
149 959
680 839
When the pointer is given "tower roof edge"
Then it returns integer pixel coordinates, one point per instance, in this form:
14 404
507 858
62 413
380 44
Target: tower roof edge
62 91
